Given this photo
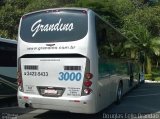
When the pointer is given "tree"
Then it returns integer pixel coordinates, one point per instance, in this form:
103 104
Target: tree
9 21
140 39
40 4
111 10
11 11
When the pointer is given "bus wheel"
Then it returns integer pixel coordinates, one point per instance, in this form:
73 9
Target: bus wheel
119 93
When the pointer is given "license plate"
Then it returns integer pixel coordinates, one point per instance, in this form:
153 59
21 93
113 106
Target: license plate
53 92
50 91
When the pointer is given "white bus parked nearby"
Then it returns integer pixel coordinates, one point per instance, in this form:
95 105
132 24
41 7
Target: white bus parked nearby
8 54
8 67
69 59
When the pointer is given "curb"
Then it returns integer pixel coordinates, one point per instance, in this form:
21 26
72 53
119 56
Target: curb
149 81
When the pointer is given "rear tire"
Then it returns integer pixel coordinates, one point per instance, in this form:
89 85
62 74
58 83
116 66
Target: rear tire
119 93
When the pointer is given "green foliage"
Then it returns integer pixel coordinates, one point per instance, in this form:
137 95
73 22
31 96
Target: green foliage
110 10
9 20
95 4
3 33
148 76
142 27
148 16
156 73
157 78
12 10
40 4
123 7
19 4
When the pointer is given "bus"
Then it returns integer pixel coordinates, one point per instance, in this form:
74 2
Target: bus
69 59
8 67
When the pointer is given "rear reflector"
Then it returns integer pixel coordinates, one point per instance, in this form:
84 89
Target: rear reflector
25 97
76 100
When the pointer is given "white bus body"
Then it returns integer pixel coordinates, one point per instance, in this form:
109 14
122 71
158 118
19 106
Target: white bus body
58 63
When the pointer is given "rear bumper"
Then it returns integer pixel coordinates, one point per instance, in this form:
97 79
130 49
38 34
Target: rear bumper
83 104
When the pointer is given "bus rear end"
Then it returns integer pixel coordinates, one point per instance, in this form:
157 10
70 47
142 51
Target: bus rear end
53 67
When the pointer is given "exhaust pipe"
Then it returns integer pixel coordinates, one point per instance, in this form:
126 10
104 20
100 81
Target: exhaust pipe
28 105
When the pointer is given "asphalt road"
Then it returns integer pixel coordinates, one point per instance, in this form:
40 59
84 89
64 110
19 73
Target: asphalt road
140 103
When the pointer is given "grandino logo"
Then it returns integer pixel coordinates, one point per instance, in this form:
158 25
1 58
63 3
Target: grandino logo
59 26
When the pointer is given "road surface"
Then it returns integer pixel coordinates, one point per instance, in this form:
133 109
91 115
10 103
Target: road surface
140 103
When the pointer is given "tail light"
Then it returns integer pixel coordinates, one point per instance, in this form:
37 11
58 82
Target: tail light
19 76
87 83
88 75
87 91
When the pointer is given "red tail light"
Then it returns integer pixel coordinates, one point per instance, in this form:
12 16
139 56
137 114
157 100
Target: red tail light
87 83
88 76
19 81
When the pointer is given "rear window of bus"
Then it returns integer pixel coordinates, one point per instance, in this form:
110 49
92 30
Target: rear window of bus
54 26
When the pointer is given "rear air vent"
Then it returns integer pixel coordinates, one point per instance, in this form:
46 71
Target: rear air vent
77 68
31 67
